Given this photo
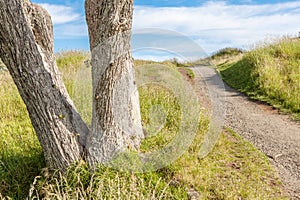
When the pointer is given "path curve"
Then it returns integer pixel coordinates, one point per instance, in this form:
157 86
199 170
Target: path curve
274 134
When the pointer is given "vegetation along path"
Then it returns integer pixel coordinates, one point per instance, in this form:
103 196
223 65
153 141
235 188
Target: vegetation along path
274 134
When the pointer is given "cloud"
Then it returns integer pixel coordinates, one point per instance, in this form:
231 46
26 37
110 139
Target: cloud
71 30
68 23
61 14
212 25
166 43
215 25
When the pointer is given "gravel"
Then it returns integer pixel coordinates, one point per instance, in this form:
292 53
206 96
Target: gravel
273 133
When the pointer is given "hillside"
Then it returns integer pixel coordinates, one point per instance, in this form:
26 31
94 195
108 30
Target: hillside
266 113
269 73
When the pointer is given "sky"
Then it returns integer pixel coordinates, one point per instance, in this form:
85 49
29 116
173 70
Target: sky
183 28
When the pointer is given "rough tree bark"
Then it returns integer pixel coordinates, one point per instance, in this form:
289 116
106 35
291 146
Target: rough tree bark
26 48
116 124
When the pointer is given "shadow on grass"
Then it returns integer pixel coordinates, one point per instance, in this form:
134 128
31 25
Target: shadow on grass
17 172
239 76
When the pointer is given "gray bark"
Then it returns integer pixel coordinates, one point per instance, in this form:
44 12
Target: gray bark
116 124
26 48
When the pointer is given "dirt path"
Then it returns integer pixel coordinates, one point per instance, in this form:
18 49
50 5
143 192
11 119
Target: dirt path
274 134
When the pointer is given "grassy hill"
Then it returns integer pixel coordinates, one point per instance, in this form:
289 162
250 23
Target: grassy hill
234 170
269 73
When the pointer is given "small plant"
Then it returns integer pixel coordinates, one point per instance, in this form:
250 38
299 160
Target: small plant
190 73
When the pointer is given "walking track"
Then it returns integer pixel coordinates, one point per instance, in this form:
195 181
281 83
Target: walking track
273 133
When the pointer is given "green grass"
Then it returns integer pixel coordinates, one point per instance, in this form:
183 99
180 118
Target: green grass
190 73
187 72
76 69
174 63
157 97
70 63
105 183
21 157
227 52
270 73
234 170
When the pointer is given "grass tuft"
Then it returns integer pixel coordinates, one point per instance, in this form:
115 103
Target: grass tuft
105 183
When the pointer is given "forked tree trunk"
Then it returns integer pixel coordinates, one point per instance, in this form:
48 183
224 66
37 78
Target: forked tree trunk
26 48
116 124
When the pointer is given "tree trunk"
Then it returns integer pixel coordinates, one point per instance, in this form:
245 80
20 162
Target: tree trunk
116 121
26 48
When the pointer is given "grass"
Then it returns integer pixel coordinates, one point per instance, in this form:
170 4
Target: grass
76 72
234 170
169 116
227 52
187 72
105 183
173 63
269 73
21 157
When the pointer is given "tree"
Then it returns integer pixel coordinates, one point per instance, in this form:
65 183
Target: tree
26 48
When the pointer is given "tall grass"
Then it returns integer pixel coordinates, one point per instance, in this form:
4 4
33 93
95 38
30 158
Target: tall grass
271 73
157 97
226 173
21 157
104 183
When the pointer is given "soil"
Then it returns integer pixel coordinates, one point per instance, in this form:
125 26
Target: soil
275 134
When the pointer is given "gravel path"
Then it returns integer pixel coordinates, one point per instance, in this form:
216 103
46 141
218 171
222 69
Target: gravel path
274 134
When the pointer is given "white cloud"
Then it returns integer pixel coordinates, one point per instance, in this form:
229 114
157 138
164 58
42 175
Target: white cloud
61 14
68 23
213 25
73 30
217 24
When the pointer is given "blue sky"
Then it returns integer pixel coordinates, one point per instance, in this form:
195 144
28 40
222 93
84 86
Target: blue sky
211 25
190 3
